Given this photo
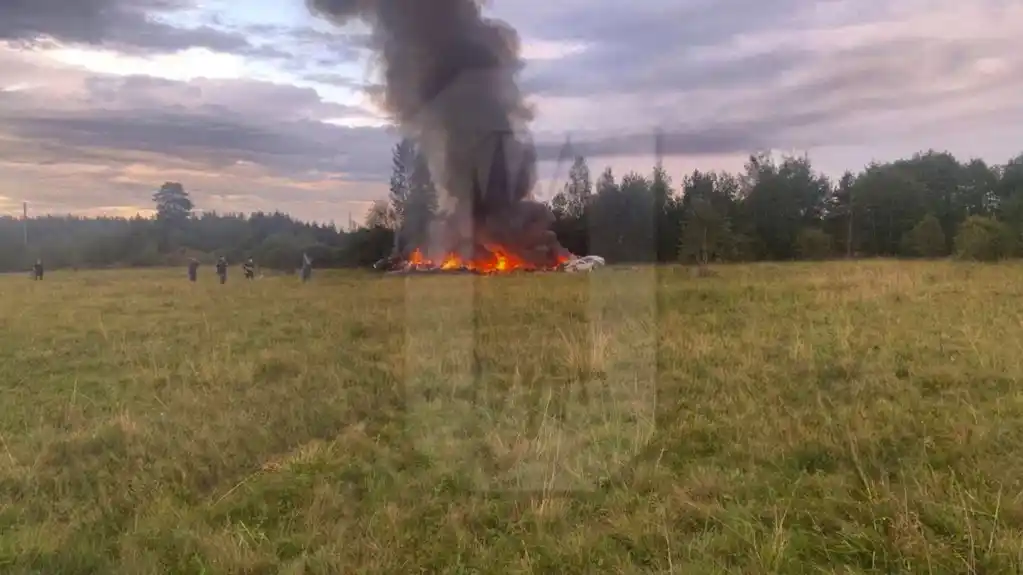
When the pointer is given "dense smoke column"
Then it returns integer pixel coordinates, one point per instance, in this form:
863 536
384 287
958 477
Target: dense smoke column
450 81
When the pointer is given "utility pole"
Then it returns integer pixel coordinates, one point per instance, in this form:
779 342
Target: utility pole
24 222
849 230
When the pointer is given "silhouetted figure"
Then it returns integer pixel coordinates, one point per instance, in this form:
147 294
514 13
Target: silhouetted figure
193 269
307 268
250 269
37 270
222 269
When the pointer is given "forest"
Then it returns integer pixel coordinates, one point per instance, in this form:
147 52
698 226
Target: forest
930 205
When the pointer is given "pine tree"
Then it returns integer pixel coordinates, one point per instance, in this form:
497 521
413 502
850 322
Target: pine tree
403 158
421 204
578 189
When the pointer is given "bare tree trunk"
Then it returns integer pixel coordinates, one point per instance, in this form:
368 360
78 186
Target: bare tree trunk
891 237
703 247
849 231
873 225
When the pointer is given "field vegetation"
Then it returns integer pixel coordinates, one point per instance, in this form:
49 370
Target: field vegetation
845 417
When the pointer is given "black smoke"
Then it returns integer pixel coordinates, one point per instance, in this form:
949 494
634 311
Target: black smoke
450 82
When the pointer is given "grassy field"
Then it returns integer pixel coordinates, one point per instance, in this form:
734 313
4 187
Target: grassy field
838 417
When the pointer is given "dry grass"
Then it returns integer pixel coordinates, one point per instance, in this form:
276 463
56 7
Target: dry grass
840 417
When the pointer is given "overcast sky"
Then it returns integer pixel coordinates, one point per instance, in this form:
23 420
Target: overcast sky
256 105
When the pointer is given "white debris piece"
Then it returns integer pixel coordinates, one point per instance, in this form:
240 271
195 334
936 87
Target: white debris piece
584 264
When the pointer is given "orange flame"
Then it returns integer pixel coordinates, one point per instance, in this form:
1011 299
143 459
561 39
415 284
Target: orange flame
499 261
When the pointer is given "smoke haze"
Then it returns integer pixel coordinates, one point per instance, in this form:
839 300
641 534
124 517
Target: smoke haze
450 82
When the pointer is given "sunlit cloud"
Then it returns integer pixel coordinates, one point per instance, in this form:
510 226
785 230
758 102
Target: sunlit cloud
550 50
183 66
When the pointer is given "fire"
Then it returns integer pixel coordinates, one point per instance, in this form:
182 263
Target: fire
498 260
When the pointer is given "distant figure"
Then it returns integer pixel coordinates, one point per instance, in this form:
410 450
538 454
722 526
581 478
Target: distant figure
193 269
250 269
37 270
222 269
307 268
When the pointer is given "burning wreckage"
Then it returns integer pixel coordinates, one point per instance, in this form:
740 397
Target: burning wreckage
449 82
494 261
501 230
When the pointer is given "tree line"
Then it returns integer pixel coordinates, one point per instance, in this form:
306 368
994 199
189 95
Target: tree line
930 205
177 233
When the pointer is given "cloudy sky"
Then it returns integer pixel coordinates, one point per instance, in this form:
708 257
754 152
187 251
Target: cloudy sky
256 105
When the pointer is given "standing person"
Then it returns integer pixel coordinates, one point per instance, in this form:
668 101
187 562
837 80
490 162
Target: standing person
222 269
250 269
193 269
37 270
307 268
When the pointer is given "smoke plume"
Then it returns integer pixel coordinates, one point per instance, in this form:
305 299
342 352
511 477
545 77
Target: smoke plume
450 82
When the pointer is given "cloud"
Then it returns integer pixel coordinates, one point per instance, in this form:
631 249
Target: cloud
739 75
130 26
78 139
209 121
720 78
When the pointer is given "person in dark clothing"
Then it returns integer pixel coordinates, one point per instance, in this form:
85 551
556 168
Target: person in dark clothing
250 269
193 269
37 270
307 268
222 269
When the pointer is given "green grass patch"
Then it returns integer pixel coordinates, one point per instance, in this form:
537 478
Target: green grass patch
799 418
